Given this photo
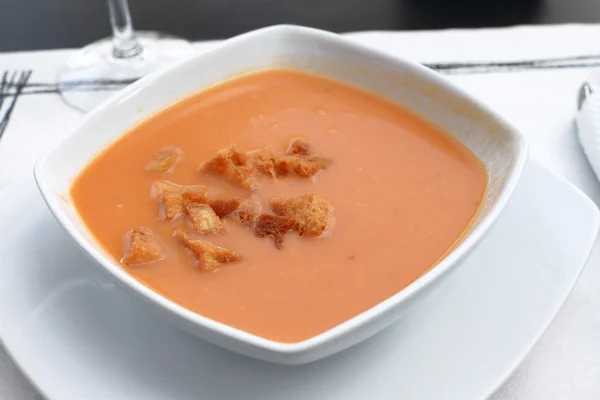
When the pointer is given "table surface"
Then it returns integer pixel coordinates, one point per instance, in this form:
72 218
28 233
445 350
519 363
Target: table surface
44 24
491 64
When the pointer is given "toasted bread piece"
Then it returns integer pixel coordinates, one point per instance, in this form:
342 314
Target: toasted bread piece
142 247
234 165
164 160
207 255
312 214
160 187
304 167
304 164
172 198
296 162
273 226
298 147
243 168
246 217
248 211
265 161
194 194
223 207
204 219
171 205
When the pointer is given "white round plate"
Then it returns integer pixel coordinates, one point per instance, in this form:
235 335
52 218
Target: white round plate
76 336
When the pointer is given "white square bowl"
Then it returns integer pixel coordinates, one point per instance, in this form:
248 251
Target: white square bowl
502 149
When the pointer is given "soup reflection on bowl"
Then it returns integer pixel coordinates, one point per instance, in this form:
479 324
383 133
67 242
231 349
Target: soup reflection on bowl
248 167
286 195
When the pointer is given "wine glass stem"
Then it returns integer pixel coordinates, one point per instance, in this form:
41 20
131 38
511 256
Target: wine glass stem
125 44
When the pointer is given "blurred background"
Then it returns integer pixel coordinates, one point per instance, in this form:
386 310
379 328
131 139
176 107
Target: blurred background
45 24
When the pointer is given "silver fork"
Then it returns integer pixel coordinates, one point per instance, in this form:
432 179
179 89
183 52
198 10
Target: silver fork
11 86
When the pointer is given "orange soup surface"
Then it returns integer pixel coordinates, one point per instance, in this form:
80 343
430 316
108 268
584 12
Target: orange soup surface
399 193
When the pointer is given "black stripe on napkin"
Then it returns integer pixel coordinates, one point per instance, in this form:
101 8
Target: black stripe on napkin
446 68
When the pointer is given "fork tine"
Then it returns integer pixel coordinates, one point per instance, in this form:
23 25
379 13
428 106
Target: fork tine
3 87
19 85
10 83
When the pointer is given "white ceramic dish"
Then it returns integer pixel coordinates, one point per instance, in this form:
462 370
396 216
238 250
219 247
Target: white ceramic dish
500 147
76 336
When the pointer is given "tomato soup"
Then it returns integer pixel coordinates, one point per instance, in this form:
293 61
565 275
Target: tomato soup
378 197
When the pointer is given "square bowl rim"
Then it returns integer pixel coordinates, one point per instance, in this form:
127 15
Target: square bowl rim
440 268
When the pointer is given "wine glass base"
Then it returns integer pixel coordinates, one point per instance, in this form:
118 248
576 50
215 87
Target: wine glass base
94 73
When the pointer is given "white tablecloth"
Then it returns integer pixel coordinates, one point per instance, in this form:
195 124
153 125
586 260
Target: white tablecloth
565 364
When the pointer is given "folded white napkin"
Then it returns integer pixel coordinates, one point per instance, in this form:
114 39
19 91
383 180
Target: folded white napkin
588 121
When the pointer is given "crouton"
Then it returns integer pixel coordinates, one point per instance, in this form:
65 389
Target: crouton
244 168
207 255
298 147
204 219
265 161
248 211
223 207
273 226
164 160
171 205
172 198
304 167
142 247
296 161
246 217
233 165
194 194
160 187
265 225
300 162
311 213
